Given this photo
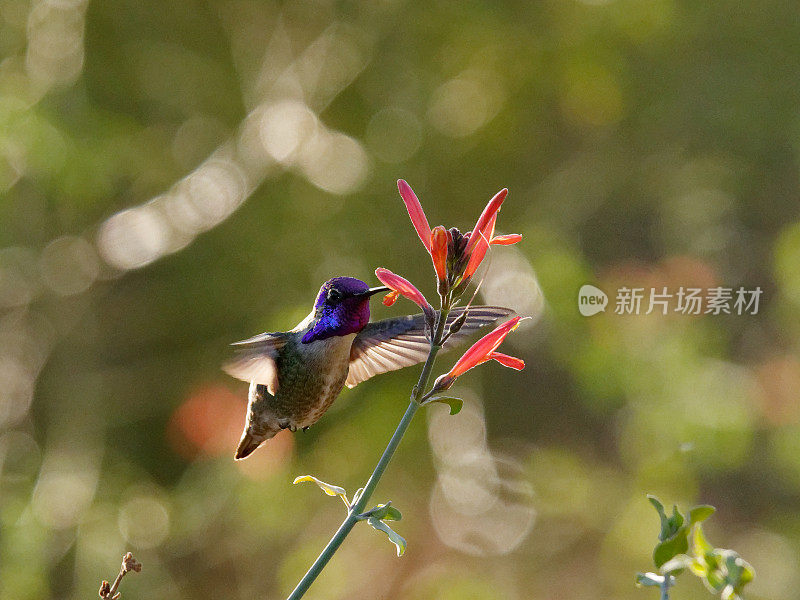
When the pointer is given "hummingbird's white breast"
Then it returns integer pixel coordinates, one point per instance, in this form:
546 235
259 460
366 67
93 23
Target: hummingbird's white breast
329 360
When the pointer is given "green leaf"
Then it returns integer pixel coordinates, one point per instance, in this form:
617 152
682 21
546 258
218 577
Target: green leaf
676 520
657 503
385 512
700 545
649 580
700 513
454 403
331 490
674 535
739 571
713 576
724 572
677 544
393 514
748 572
669 525
396 539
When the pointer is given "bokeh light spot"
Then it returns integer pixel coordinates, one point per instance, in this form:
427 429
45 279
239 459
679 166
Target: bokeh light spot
285 128
144 521
69 265
133 238
61 496
463 105
335 162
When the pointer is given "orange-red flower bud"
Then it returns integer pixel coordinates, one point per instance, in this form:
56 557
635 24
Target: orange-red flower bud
414 208
439 252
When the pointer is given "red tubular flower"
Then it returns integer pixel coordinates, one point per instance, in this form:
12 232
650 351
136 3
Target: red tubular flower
439 253
506 240
486 220
480 352
414 208
402 286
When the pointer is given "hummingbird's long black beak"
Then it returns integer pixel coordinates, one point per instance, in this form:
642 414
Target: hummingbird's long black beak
375 290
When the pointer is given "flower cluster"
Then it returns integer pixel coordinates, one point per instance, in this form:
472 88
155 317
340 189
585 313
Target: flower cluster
456 257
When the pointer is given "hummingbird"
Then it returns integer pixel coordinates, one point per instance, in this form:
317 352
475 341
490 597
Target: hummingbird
296 375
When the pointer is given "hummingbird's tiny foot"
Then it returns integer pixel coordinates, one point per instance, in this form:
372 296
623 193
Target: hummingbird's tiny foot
306 428
287 425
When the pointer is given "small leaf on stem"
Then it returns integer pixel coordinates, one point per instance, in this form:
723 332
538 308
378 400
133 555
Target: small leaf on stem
331 490
396 539
385 512
700 545
454 403
677 544
700 513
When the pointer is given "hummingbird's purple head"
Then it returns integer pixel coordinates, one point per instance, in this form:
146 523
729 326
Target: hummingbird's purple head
342 307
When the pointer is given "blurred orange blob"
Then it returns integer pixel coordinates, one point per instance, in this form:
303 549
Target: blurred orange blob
689 271
779 387
209 423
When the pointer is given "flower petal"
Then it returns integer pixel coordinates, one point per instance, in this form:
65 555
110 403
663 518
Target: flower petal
483 224
439 251
506 240
390 298
512 362
482 350
414 208
479 252
402 286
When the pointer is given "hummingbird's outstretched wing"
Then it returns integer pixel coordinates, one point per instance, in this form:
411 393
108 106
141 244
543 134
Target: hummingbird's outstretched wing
255 360
399 342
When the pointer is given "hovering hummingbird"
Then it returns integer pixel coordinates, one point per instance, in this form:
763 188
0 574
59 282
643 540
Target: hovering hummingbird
295 375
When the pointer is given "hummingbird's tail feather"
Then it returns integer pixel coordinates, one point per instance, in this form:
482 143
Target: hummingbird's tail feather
247 446
250 442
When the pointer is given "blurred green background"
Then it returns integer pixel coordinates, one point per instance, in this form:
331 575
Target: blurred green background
177 175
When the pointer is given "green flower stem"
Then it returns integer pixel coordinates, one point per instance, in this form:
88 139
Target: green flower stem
386 457
665 587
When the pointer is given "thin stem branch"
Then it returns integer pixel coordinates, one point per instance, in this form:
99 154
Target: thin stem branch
665 587
129 563
358 507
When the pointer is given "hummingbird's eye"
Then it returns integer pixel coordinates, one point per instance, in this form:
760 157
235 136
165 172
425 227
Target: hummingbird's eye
334 295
